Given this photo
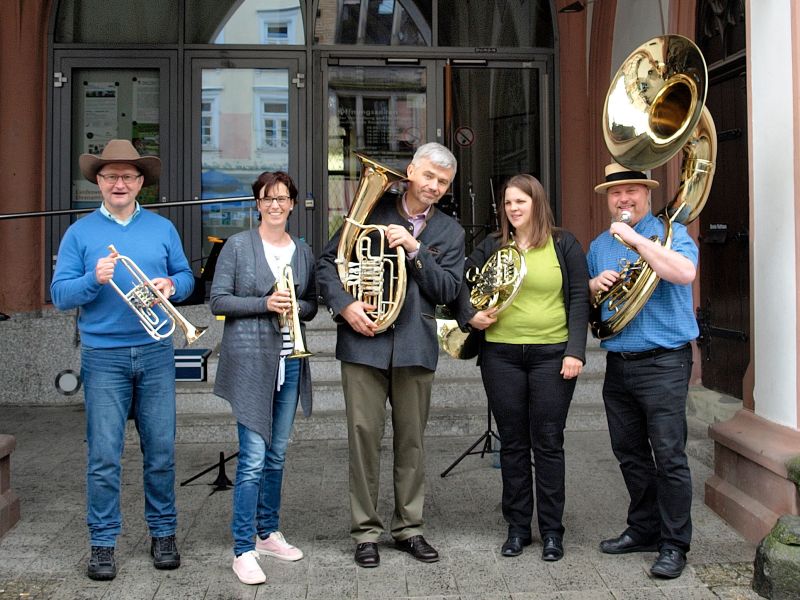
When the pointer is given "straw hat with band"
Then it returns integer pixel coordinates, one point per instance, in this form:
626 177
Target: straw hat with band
121 152
616 174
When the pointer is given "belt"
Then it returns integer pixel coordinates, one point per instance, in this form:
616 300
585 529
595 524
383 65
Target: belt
648 353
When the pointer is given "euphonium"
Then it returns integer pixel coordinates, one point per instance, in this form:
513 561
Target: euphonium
292 319
376 275
144 298
654 108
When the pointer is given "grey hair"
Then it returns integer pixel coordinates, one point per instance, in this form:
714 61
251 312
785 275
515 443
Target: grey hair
437 154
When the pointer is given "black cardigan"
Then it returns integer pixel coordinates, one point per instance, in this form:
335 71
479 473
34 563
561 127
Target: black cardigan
575 286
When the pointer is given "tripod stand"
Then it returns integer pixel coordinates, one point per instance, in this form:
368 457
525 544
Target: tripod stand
486 438
221 483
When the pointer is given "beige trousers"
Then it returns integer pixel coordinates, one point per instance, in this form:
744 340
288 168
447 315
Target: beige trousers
366 390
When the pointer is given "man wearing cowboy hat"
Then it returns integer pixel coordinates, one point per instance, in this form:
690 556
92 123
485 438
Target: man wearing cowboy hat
119 359
647 372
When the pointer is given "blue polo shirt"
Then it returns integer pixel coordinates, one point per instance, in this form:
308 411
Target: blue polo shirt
667 319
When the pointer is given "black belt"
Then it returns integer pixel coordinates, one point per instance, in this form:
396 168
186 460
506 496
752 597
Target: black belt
648 353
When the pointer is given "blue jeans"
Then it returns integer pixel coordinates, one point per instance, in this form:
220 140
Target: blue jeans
259 472
112 379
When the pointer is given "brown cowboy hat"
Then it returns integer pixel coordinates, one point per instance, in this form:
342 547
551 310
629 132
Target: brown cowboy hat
616 174
121 151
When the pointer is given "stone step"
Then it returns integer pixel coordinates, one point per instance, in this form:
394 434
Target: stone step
452 392
216 428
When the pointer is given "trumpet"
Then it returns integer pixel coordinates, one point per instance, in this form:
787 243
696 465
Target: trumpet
291 320
143 298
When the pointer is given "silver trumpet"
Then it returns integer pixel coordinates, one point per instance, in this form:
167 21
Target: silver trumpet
143 299
292 319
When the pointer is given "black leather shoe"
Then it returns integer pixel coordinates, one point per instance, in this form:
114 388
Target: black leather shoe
164 551
367 555
514 544
625 544
552 548
669 564
102 566
417 547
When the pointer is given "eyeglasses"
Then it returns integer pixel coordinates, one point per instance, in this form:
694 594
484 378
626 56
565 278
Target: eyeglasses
281 200
126 179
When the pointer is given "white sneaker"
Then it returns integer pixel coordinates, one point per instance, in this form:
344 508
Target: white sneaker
247 568
277 546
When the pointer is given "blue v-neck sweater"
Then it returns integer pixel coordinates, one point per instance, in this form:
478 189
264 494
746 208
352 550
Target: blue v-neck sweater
105 321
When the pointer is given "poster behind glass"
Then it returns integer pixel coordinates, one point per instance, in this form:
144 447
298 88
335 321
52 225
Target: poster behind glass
113 104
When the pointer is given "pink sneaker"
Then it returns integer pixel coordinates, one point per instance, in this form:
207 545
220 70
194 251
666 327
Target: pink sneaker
247 568
275 545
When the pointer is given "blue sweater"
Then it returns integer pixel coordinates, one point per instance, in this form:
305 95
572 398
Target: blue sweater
105 321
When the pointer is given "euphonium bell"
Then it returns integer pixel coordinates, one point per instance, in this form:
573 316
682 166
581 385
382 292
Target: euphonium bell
144 298
369 270
292 319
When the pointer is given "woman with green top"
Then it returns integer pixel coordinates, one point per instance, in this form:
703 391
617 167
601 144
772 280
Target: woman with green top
530 358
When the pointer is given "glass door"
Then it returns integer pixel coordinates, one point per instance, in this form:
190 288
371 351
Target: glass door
496 126
375 109
246 116
99 98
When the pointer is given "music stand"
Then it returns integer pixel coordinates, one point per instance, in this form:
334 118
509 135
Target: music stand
486 438
221 483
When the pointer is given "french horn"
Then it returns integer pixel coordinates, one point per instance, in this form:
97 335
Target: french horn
369 270
494 285
655 108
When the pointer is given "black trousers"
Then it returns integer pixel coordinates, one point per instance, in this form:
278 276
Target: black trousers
529 400
645 403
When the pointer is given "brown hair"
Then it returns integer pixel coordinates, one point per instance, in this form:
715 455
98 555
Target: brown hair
542 223
268 179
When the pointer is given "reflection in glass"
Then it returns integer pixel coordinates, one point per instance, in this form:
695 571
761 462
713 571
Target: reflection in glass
244 130
378 111
496 133
113 104
244 22
373 22
487 23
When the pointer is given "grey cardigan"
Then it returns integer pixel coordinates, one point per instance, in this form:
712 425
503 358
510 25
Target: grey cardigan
251 341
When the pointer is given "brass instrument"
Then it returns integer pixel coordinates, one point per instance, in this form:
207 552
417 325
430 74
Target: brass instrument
143 299
495 285
654 108
375 275
292 320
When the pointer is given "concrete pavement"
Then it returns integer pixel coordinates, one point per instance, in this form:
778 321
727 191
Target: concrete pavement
45 554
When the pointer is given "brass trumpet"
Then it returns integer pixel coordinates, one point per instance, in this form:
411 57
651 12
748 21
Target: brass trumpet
143 298
292 320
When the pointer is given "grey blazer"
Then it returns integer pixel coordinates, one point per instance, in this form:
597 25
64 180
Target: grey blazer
434 277
251 341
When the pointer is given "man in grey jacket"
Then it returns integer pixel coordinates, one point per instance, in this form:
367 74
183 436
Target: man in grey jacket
398 363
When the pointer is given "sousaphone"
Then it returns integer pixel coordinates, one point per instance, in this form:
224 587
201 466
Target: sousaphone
655 108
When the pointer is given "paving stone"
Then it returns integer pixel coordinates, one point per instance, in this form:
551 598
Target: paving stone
463 521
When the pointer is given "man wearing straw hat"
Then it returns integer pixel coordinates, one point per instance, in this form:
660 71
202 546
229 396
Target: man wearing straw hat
123 369
647 372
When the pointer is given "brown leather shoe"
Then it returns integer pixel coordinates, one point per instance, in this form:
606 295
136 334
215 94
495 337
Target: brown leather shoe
417 547
367 555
